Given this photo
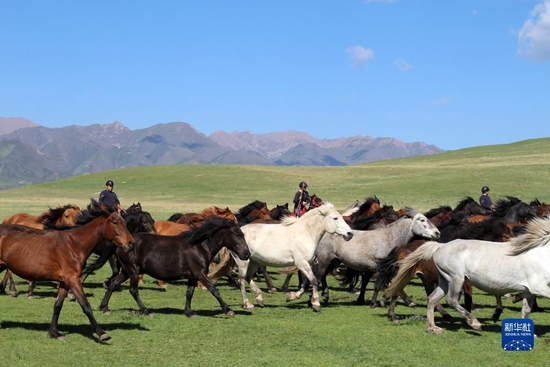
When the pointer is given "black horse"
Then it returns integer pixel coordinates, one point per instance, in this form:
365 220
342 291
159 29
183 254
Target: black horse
186 255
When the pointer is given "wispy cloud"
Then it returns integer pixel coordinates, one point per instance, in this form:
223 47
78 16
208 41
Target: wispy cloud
360 55
474 12
441 101
403 65
534 35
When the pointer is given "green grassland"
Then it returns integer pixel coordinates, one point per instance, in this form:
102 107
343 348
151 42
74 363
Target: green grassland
281 334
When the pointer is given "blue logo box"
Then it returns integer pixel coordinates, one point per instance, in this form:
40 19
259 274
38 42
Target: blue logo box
518 335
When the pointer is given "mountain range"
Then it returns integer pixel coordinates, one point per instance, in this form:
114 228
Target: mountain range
30 153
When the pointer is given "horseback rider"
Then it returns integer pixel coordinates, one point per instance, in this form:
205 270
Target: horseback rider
108 197
301 199
485 199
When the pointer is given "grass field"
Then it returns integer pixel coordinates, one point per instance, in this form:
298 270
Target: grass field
282 334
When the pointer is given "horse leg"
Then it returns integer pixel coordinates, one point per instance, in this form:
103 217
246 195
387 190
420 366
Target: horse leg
134 282
305 268
267 278
243 265
286 284
252 269
76 286
58 305
191 284
433 299
321 272
115 270
115 282
452 299
8 277
212 288
30 291
498 308
429 287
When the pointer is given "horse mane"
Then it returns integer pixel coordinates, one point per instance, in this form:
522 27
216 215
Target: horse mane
247 209
537 233
410 212
503 206
435 211
199 234
174 217
462 204
279 211
93 211
493 229
53 214
207 213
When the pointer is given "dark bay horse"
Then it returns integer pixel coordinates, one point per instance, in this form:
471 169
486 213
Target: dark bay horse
59 255
186 255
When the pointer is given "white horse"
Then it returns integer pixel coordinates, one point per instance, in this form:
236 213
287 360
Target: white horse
362 252
291 242
493 267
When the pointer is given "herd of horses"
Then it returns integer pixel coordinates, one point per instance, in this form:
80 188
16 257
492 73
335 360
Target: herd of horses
451 250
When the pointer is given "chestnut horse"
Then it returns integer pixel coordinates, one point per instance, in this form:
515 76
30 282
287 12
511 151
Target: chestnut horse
62 216
60 255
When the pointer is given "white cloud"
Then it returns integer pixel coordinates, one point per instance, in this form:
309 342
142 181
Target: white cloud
441 101
403 65
360 55
534 35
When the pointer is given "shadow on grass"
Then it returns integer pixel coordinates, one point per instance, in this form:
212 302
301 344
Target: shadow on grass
82 329
179 311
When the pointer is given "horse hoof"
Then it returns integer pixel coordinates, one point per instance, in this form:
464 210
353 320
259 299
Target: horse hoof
104 337
30 297
249 307
107 312
316 308
13 294
435 330
412 304
230 313
274 290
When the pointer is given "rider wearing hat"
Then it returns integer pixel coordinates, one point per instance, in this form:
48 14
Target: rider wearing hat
301 199
108 197
485 200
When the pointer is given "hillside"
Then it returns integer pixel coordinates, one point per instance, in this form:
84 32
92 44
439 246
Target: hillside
77 150
424 182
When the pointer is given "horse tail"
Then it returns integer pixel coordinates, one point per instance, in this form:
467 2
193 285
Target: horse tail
351 278
224 266
386 268
408 266
107 252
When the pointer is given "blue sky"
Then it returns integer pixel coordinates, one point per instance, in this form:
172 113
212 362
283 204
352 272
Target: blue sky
453 73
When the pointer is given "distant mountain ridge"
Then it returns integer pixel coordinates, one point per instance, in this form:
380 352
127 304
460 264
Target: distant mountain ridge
31 153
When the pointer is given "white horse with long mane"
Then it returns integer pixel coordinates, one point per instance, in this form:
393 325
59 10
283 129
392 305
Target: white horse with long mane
289 243
520 265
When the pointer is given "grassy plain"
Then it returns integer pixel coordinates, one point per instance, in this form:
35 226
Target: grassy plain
281 334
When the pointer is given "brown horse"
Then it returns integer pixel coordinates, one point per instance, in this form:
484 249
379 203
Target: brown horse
62 216
170 228
60 255
367 209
